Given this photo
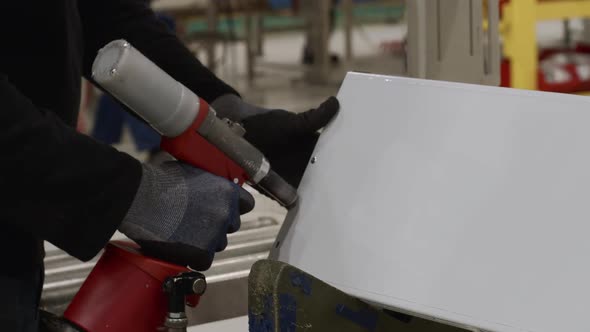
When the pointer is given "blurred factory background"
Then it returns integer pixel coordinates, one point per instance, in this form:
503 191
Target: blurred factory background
292 54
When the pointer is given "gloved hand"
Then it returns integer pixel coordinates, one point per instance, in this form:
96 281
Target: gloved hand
182 214
286 139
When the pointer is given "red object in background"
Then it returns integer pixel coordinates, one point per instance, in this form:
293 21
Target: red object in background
123 292
505 64
574 84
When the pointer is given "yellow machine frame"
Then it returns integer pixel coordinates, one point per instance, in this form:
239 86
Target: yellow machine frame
518 29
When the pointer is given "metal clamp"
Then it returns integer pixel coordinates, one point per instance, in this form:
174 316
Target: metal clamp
177 288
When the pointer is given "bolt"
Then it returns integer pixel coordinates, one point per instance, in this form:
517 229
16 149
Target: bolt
314 160
199 286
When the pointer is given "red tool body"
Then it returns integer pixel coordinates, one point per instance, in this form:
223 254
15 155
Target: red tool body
190 147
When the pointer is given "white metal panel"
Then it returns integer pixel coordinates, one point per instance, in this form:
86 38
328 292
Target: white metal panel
465 203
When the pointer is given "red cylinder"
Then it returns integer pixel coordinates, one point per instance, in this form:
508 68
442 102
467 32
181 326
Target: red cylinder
123 292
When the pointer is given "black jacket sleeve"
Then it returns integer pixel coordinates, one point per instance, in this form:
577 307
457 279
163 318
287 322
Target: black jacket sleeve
59 185
107 20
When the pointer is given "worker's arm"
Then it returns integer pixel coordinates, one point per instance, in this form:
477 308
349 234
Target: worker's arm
107 20
60 185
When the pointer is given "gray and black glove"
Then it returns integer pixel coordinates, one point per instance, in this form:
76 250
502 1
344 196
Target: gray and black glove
286 139
182 214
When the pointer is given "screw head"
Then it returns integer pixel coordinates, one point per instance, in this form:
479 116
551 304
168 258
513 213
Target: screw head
314 160
113 72
199 286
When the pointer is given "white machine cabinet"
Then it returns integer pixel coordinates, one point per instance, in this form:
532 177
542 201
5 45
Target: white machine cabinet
466 204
